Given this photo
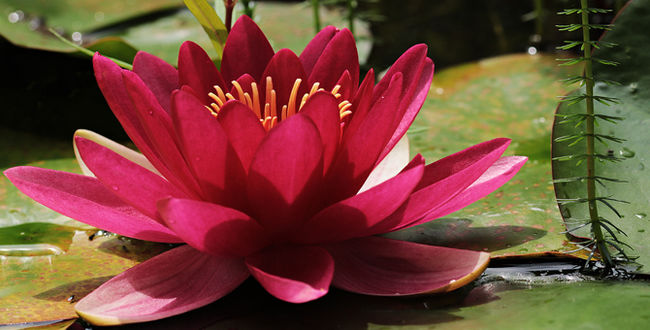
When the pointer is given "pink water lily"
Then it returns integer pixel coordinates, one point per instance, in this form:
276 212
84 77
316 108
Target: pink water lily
278 166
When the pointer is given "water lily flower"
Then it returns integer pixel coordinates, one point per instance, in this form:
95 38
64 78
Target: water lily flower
277 166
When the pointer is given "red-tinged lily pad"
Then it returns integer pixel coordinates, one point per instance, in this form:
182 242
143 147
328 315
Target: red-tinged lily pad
630 33
510 96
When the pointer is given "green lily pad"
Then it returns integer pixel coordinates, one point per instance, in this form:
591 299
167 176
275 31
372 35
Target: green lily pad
509 96
32 18
633 73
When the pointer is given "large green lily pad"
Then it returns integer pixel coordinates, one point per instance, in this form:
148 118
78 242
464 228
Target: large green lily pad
633 73
510 96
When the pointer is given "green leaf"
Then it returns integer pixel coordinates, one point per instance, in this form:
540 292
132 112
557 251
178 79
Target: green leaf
210 22
509 96
633 73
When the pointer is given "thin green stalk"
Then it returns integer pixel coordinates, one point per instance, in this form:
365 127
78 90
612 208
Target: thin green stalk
539 19
315 6
589 128
352 9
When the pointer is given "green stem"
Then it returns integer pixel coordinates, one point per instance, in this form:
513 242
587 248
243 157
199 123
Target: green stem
248 9
589 123
352 8
539 19
315 5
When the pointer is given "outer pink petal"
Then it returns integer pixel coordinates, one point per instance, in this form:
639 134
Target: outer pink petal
322 108
109 79
284 68
160 77
195 68
213 228
87 200
359 152
443 180
355 216
134 184
285 176
409 109
171 283
315 48
243 129
410 65
384 267
295 274
339 55
247 51
499 173
158 125
205 146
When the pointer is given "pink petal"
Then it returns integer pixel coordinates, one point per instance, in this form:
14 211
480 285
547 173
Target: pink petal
169 284
383 267
353 217
390 166
213 228
244 130
499 173
208 152
132 183
245 82
121 150
360 104
358 154
158 125
410 109
285 176
247 51
443 180
158 75
87 200
109 79
322 108
315 48
285 68
339 55
410 65
295 274
195 69
348 88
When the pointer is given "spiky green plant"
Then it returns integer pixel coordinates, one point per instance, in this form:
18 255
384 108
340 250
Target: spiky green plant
603 231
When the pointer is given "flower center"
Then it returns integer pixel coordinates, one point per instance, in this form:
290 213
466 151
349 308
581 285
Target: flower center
271 112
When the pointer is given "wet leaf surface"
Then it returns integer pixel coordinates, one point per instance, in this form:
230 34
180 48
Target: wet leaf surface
510 96
634 75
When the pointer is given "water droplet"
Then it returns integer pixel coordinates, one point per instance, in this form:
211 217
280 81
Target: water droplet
640 215
150 112
116 188
627 153
633 87
77 37
16 16
197 158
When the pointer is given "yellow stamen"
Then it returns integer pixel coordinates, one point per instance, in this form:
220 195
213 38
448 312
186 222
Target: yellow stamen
284 114
314 88
292 98
222 96
230 97
249 102
256 99
274 111
303 101
335 90
240 91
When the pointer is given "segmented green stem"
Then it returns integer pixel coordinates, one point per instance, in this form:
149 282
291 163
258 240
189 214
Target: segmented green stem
589 128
